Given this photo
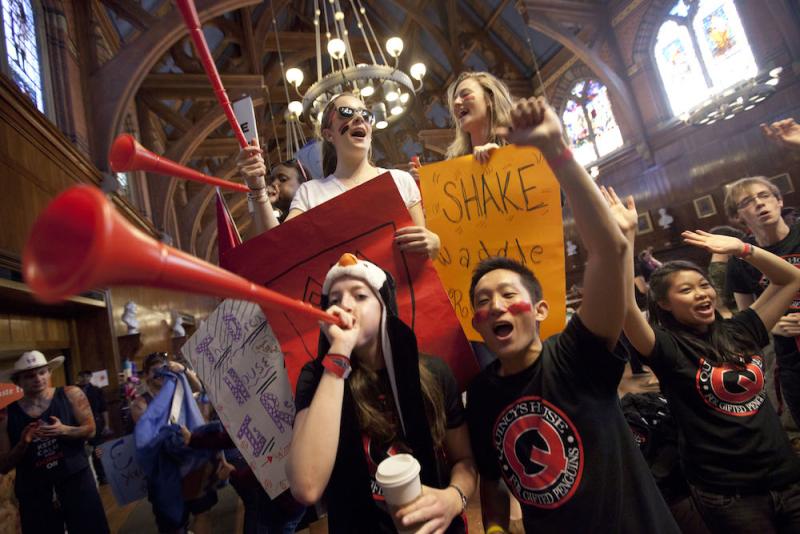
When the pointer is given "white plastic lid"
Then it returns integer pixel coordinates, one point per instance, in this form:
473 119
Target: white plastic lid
397 470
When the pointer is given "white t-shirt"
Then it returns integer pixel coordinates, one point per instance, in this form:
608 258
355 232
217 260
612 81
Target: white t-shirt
314 192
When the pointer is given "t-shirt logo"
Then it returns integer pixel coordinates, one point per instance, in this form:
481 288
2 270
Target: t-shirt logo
540 452
731 389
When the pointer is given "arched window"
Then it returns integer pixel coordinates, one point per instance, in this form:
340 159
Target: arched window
701 49
590 123
22 57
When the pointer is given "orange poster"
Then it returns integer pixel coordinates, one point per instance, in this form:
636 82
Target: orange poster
509 207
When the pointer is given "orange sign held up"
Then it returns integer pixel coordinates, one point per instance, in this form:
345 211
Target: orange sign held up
8 394
509 207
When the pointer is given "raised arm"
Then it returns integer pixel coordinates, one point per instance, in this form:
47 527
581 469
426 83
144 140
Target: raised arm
637 329
535 123
784 278
315 438
251 167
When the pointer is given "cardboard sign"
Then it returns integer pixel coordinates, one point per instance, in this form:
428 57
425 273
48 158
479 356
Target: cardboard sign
237 357
509 207
9 393
295 257
246 116
127 480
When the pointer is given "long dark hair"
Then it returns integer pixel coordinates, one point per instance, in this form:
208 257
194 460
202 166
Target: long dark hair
722 344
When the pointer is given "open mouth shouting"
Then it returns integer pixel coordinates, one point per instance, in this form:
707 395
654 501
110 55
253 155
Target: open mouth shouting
502 330
705 309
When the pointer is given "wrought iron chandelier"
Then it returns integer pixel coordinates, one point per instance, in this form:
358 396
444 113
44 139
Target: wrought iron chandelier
384 87
743 96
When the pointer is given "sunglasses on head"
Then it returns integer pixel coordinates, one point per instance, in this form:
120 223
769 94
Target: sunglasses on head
347 112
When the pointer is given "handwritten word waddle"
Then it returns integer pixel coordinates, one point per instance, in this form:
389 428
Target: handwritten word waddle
492 192
514 249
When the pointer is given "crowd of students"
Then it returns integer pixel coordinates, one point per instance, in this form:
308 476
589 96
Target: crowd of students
542 428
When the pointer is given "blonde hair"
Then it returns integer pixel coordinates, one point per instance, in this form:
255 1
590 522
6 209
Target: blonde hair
329 159
498 101
733 190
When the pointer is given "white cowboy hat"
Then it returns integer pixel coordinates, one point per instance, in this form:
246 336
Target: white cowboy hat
32 359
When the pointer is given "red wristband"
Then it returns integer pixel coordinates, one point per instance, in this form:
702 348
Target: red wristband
564 157
747 250
337 364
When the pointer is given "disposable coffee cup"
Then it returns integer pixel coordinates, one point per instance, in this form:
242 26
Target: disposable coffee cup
398 477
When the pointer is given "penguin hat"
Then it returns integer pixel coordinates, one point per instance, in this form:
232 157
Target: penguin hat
394 334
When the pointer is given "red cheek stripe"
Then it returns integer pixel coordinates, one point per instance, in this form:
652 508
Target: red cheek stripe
519 307
514 309
480 316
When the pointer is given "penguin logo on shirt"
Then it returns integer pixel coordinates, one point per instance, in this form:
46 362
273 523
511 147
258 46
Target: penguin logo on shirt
540 452
731 389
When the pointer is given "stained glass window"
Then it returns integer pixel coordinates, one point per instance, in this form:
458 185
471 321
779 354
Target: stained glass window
589 122
22 48
701 49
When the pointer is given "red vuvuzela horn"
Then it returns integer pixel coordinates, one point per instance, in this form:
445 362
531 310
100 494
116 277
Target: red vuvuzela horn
192 20
128 155
80 242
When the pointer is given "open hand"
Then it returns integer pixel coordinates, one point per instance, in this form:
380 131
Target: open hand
433 511
419 240
785 133
534 123
250 163
53 429
718 244
624 213
482 153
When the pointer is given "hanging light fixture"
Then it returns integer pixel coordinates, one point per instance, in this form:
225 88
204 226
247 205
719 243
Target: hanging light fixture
380 80
743 96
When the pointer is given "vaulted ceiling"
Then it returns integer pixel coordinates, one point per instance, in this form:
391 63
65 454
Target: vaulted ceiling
152 84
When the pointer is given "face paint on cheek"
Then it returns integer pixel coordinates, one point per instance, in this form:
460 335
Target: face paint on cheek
343 129
480 316
519 307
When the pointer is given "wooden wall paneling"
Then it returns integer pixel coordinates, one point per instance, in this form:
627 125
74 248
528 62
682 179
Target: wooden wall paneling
153 313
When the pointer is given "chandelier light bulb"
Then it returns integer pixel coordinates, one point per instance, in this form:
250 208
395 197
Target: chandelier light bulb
338 15
774 73
379 111
772 81
368 90
336 48
390 92
394 46
404 98
294 76
296 107
397 110
418 71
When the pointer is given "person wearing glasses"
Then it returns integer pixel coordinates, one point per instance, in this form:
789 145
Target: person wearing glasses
743 475
346 136
756 203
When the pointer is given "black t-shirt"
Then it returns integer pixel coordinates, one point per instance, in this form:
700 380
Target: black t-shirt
744 278
730 438
376 452
556 434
